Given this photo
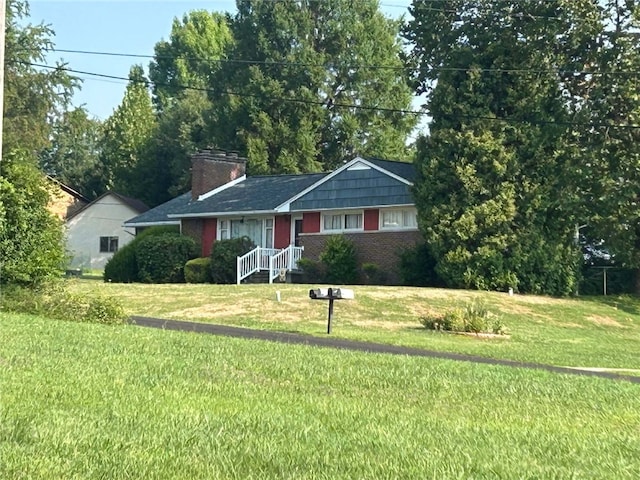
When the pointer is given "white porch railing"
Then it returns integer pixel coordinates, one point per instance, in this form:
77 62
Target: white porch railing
286 259
271 259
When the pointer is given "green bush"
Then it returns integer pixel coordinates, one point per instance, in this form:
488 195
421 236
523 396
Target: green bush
31 238
198 270
54 301
123 266
474 317
312 270
418 267
372 274
339 259
161 258
224 256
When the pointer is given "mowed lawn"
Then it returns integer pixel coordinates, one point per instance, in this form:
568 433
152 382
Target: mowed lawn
92 401
599 332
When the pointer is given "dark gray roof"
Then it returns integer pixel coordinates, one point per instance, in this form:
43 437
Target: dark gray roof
259 193
158 215
405 170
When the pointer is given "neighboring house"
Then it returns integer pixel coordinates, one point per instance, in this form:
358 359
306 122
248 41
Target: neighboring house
367 200
96 232
63 200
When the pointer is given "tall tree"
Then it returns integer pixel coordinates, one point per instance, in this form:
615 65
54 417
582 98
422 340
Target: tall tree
31 239
190 56
610 100
496 198
72 156
310 84
32 96
181 72
126 136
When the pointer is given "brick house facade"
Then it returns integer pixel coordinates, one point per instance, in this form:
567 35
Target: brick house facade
367 200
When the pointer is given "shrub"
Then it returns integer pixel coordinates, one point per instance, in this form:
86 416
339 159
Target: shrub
339 259
31 239
313 271
223 258
474 317
54 301
372 274
417 267
161 258
198 270
123 266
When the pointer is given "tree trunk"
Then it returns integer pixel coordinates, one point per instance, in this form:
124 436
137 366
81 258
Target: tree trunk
636 286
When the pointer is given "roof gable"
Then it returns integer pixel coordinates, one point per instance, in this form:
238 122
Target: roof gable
135 205
359 183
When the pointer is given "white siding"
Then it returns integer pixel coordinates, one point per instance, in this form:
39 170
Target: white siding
103 218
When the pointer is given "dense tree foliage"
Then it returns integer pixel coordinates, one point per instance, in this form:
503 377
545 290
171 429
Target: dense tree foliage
529 138
311 84
493 197
126 136
610 174
31 238
31 95
73 153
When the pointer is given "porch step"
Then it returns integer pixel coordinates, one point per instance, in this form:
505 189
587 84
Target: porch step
263 277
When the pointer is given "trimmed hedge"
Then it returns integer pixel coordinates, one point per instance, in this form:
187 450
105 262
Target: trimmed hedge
123 266
161 258
198 270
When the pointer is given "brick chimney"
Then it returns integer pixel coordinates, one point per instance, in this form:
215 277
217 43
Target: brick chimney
211 168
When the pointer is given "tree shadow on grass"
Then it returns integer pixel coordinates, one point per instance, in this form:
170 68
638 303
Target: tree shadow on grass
627 303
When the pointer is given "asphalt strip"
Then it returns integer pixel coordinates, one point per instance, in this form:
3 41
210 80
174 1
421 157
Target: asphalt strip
340 343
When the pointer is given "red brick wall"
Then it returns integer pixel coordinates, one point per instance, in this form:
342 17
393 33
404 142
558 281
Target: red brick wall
311 222
381 248
193 228
282 233
213 168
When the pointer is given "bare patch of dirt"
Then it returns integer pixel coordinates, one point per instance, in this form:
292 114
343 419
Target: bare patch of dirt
606 321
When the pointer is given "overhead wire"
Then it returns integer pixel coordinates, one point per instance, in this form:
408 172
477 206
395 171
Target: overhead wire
326 103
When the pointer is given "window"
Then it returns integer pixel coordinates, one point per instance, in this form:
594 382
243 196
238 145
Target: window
108 244
400 218
268 233
224 229
342 221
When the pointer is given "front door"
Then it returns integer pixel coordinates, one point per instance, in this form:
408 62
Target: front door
297 230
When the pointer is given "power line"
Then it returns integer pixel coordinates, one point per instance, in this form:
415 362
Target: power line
351 67
347 106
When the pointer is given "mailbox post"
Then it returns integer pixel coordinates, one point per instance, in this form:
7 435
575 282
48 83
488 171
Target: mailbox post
330 294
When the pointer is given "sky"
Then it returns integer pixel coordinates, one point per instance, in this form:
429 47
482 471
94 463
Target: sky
120 26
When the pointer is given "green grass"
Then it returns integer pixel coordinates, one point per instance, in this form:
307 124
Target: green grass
92 401
602 332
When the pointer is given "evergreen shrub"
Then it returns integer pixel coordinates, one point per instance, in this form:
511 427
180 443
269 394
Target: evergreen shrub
339 259
224 256
198 270
161 258
123 266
